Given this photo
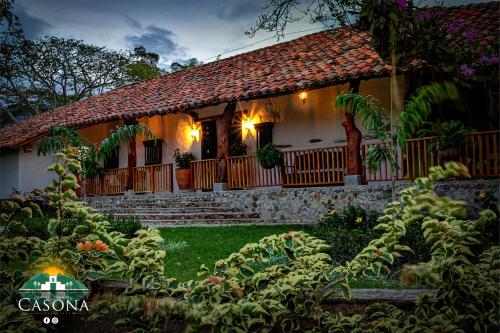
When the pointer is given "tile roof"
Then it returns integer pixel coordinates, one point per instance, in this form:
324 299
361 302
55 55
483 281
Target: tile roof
319 59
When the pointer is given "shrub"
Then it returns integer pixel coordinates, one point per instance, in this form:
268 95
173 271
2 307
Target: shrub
347 232
127 226
269 156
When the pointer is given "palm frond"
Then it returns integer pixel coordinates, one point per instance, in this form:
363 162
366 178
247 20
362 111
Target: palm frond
356 103
419 107
60 137
377 155
121 135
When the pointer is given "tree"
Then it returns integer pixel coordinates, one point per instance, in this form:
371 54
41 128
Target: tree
375 119
184 64
144 65
50 72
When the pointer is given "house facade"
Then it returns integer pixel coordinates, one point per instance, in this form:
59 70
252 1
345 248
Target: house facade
283 94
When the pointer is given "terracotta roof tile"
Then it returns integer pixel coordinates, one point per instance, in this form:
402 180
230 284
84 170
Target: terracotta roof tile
320 59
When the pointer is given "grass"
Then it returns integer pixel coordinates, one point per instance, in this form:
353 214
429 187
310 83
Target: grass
188 248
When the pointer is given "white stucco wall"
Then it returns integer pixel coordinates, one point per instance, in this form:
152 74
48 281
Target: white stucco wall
23 171
317 119
33 170
9 173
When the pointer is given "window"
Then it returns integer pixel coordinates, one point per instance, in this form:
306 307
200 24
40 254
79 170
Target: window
152 150
112 161
264 134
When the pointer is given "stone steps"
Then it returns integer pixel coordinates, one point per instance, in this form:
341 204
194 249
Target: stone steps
173 210
213 223
206 216
166 210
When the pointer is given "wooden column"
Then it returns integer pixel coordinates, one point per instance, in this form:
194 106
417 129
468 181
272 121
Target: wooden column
353 135
132 157
223 128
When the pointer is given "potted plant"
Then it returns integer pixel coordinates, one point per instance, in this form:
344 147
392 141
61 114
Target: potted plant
183 171
449 139
269 156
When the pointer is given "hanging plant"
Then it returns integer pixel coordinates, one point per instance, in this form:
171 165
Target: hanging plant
269 156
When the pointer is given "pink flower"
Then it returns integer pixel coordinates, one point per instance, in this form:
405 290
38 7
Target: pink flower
471 33
466 70
454 26
494 60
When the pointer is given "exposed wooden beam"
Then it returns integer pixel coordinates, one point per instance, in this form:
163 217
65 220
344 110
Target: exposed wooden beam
223 129
132 156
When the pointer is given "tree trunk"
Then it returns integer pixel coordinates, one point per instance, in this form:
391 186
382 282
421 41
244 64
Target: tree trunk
223 128
353 135
132 157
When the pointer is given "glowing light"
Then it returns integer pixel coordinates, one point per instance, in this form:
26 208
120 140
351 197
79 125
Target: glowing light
53 270
194 133
303 96
248 124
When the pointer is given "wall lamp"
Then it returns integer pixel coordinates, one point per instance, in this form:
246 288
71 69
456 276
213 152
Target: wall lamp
194 133
303 96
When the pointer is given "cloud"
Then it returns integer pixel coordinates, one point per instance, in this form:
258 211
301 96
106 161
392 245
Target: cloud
241 10
132 22
32 26
158 40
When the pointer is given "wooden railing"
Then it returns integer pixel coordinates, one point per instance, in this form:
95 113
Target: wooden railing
115 181
204 174
153 178
246 172
94 186
480 155
383 171
323 166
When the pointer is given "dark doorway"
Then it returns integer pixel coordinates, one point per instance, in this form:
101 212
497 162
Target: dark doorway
209 140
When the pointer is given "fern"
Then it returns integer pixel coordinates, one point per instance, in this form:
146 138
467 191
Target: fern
59 138
419 107
121 135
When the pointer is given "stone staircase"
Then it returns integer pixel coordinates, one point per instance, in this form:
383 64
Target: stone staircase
180 209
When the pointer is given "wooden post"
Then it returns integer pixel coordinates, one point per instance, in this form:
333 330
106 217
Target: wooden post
132 157
223 128
353 135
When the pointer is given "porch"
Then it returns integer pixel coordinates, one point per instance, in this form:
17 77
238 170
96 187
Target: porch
304 168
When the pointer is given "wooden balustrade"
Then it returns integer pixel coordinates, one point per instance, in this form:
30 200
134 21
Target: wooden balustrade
383 171
94 186
204 174
481 154
246 172
153 178
323 166
115 181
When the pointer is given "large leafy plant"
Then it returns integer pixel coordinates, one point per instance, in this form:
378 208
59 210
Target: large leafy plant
381 123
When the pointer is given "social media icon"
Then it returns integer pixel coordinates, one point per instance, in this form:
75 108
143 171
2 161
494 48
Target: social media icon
55 320
46 320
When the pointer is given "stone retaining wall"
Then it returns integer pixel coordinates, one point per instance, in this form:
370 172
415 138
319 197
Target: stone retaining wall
309 204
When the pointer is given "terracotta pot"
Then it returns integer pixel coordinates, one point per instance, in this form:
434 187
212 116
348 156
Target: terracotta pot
183 177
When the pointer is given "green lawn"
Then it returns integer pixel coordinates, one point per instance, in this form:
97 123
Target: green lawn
188 248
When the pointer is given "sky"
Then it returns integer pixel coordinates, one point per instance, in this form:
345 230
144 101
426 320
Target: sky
175 30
